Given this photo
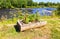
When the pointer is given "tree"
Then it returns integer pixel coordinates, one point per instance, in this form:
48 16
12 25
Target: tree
29 2
14 3
35 3
41 4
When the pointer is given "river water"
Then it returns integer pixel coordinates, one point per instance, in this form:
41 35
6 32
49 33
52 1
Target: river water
9 13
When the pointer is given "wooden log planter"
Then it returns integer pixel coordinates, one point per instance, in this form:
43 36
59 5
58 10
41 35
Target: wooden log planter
22 26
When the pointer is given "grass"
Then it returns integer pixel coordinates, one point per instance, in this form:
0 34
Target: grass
52 29
56 30
10 33
9 21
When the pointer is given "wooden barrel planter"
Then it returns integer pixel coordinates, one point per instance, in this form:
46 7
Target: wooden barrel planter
22 26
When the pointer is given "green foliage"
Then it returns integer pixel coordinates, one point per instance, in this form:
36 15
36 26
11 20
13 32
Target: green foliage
32 17
29 2
26 19
5 4
58 10
37 17
25 4
15 3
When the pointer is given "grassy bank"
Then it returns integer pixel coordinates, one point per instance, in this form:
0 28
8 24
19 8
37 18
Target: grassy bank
51 30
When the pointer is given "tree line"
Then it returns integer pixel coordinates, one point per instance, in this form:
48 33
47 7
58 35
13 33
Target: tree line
25 4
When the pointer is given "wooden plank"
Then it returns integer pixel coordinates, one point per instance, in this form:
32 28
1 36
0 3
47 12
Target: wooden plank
30 25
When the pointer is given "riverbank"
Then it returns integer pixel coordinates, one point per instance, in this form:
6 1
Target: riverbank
51 30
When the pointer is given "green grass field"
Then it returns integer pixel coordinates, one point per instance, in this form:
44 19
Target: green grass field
50 31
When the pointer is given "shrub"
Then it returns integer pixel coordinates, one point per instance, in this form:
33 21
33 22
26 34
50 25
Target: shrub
26 18
37 17
58 10
32 17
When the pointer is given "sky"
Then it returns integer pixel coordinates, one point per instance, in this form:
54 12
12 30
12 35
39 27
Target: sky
54 1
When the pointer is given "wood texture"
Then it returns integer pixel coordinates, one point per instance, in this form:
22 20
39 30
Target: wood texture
30 25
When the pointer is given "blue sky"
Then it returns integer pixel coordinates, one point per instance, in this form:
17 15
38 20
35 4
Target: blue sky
54 1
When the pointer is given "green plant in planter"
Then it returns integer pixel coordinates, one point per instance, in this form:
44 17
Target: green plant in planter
21 17
37 17
26 19
32 17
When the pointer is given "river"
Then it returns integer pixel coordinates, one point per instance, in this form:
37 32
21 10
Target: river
9 13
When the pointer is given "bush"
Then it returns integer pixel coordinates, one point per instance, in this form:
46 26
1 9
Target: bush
26 20
32 17
58 10
37 17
